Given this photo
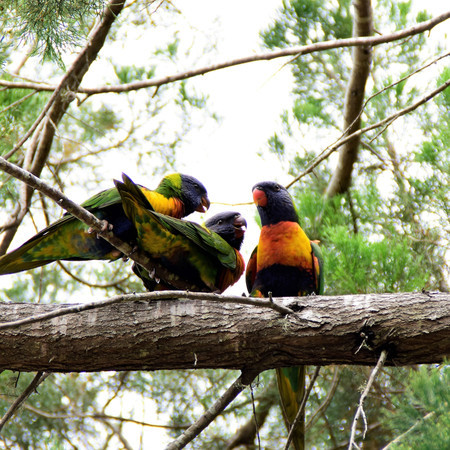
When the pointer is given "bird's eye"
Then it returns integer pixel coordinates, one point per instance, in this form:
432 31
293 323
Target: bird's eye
277 187
219 222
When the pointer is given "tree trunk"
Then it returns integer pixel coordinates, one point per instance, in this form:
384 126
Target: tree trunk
189 334
354 99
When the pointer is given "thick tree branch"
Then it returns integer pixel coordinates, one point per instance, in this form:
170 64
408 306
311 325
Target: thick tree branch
291 51
187 334
354 99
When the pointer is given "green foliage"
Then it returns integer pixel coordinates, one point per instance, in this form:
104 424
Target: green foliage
18 111
52 26
356 265
51 399
127 74
420 417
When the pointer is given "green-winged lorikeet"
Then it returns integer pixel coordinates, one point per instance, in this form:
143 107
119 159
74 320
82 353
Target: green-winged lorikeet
284 264
231 226
186 249
69 239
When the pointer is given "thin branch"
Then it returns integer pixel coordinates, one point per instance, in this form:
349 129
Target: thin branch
37 380
148 296
388 120
360 410
80 280
117 432
326 402
245 435
292 51
398 439
245 379
102 416
301 408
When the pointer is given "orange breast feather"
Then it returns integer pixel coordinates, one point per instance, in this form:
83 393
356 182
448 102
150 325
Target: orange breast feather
284 243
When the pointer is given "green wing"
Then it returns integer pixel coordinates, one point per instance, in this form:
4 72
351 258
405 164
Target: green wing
140 212
317 253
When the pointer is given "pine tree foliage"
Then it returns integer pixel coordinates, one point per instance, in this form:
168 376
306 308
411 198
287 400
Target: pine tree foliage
420 416
50 26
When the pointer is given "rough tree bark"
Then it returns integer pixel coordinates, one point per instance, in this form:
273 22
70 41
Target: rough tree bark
354 99
189 334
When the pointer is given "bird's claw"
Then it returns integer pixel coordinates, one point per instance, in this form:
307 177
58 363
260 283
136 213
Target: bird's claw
105 226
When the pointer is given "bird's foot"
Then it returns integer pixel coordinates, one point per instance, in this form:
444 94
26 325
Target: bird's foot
105 226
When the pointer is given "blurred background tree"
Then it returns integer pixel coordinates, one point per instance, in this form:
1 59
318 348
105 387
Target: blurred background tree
388 232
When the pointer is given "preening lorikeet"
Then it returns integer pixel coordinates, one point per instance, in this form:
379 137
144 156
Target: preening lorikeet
286 264
68 238
190 251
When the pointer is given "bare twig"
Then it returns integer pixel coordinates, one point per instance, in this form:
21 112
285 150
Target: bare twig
301 408
388 120
149 296
37 380
292 51
114 283
74 415
360 410
246 378
326 402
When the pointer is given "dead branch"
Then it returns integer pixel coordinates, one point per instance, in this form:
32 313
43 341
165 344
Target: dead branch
360 410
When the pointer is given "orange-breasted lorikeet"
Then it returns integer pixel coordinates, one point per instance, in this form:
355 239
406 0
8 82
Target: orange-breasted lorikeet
68 238
186 249
284 264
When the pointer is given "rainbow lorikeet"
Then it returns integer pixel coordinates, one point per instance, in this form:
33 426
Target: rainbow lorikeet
229 225
188 250
284 264
69 239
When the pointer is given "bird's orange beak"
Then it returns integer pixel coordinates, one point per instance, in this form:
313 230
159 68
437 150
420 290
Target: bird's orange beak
259 197
204 206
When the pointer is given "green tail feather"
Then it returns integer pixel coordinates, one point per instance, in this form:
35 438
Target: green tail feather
291 386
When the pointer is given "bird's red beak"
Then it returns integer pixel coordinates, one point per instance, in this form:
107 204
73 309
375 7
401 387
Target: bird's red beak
240 226
259 197
204 206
